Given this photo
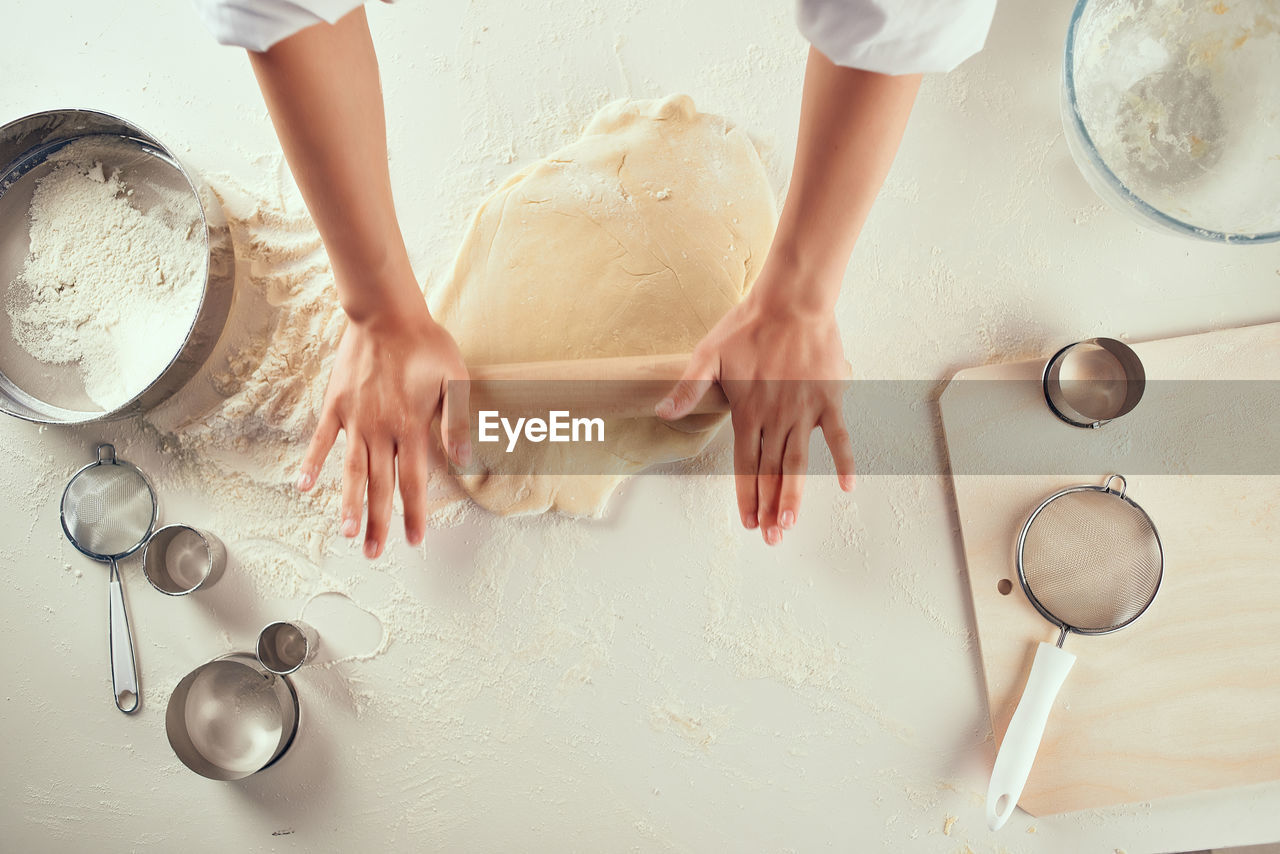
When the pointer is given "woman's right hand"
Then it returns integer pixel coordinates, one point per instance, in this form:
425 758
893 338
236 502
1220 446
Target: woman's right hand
391 379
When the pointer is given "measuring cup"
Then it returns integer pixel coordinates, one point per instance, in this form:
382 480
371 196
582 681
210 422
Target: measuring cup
286 645
180 559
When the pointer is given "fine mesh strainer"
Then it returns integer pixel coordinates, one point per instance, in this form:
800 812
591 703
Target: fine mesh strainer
1090 561
108 511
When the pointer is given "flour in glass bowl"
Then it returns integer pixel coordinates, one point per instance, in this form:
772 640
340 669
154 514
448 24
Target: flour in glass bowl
1179 98
106 286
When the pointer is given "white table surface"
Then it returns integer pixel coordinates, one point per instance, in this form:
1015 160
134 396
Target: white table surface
669 715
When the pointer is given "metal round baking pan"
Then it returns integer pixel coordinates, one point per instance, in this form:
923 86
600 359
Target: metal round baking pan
231 718
25 145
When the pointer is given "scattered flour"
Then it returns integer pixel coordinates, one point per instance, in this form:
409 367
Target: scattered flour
847 535
700 727
106 286
237 431
531 621
505 620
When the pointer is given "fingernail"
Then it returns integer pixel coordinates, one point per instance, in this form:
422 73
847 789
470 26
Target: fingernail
787 519
665 408
305 480
371 548
349 527
414 538
750 521
773 536
848 482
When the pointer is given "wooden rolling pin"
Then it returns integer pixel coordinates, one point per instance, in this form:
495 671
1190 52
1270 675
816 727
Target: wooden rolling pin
619 387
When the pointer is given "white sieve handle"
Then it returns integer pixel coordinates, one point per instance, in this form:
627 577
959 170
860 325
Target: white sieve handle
124 673
1026 728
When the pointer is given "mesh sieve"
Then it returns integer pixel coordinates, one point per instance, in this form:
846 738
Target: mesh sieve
1090 560
108 508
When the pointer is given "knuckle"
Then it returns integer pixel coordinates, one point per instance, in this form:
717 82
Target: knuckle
838 435
745 422
378 489
413 480
326 426
340 401
413 502
378 513
410 486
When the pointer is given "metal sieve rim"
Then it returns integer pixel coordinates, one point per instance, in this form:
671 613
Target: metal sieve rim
107 457
1022 538
26 137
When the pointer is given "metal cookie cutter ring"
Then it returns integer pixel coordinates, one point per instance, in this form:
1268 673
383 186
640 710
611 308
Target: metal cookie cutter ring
1094 381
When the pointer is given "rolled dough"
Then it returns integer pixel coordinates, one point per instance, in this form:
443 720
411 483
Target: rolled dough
633 240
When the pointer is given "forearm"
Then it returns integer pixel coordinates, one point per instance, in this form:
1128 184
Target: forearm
851 123
322 90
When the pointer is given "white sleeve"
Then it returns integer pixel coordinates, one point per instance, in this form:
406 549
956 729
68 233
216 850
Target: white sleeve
258 24
896 36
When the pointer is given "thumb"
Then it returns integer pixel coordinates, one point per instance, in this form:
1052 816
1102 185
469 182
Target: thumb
697 379
455 428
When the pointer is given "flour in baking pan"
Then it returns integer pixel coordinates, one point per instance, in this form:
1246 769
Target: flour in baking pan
107 286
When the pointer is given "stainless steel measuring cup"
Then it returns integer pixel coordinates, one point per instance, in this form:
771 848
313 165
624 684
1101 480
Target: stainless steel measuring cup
286 645
180 559
108 510
231 718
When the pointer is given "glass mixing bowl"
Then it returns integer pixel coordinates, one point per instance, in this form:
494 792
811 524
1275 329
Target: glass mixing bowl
1171 110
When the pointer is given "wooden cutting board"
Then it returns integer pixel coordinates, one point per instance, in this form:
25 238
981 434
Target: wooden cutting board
1187 698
